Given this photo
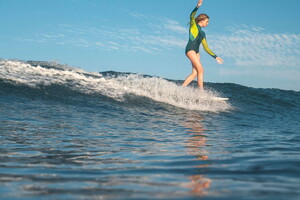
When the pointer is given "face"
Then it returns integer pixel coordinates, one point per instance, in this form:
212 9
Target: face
204 23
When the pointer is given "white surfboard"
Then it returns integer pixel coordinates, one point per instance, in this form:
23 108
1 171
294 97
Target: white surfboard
220 99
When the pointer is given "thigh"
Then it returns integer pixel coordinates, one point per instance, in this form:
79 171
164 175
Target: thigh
195 59
198 54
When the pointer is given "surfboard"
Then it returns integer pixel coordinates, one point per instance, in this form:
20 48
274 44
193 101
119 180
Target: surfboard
220 99
211 99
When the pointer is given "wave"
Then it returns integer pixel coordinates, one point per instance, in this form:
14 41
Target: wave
124 86
118 86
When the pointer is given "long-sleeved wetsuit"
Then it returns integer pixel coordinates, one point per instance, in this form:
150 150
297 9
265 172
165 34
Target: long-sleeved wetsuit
197 37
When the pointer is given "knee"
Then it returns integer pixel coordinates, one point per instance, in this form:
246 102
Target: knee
194 73
200 70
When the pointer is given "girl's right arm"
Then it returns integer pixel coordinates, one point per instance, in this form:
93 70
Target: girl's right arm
193 27
199 3
192 16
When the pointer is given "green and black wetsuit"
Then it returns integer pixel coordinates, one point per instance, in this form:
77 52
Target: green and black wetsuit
197 37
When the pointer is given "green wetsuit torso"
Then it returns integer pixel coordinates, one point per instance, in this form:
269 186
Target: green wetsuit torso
197 37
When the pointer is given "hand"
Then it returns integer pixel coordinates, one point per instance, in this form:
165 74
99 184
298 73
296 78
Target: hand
219 60
199 3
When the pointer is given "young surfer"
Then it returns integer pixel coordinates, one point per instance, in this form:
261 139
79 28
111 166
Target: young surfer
197 37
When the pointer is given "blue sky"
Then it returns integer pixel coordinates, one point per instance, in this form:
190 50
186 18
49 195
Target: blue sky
258 39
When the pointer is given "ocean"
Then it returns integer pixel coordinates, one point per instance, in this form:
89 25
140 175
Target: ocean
71 134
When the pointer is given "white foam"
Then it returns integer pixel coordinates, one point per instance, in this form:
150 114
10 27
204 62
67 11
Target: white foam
168 92
155 88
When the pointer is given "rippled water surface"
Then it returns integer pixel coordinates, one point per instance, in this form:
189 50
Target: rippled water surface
61 143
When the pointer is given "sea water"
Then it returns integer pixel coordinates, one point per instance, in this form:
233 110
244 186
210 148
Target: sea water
70 134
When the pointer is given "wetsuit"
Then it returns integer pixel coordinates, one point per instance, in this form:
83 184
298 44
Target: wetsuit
197 37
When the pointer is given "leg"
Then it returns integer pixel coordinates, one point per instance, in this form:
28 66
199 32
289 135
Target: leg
200 72
194 73
190 78
197 69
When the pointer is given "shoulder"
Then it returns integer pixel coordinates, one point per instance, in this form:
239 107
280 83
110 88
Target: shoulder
202 33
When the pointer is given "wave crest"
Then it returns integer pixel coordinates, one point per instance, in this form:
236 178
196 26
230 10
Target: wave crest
36 74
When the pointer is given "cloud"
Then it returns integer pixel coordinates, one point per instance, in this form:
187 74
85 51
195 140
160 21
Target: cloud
155 35
243 45
253 46
174 26
138 15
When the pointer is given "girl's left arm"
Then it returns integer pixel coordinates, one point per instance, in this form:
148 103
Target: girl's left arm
207 49
210 52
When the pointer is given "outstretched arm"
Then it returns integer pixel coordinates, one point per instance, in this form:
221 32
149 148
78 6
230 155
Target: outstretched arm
192 16
207 49
193 27
199 3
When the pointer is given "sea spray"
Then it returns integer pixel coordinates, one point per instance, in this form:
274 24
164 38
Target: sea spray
158 89
169 92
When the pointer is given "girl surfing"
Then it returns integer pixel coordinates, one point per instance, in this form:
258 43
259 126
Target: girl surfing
197 37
